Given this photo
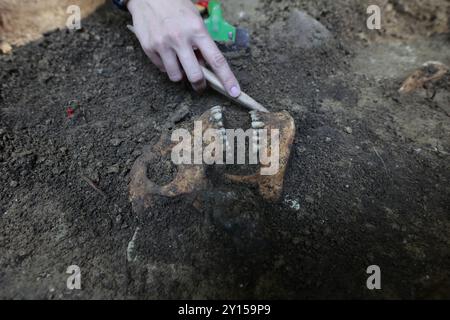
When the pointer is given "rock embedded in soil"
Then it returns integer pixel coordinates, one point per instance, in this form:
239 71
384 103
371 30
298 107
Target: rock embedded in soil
180 113
303 31
115 142
113 169
428 73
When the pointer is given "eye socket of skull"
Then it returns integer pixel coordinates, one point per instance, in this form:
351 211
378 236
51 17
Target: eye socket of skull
188 179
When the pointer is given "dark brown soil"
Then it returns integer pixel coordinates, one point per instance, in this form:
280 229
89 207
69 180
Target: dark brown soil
161 170
368 182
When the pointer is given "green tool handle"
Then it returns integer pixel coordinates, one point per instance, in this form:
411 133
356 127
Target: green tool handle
218 28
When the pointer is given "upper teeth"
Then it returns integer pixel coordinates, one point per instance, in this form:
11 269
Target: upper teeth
216 116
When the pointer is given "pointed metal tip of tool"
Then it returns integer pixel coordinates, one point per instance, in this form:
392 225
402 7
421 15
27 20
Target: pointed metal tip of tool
258 107
264 110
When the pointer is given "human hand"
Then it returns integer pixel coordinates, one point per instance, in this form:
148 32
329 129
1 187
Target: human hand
172 34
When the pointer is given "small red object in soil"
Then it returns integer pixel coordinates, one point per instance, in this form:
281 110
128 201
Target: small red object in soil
203 3
70 112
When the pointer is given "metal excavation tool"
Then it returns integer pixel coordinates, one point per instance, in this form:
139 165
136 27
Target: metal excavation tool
214 82
243 99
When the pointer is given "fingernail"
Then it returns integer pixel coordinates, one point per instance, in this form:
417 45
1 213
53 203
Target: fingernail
235 91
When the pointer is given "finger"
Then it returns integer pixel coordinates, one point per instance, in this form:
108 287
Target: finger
171 65
219 64
156 59
200 58
138 30
192 68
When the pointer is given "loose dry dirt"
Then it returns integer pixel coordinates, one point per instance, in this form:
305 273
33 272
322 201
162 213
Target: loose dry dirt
368 183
